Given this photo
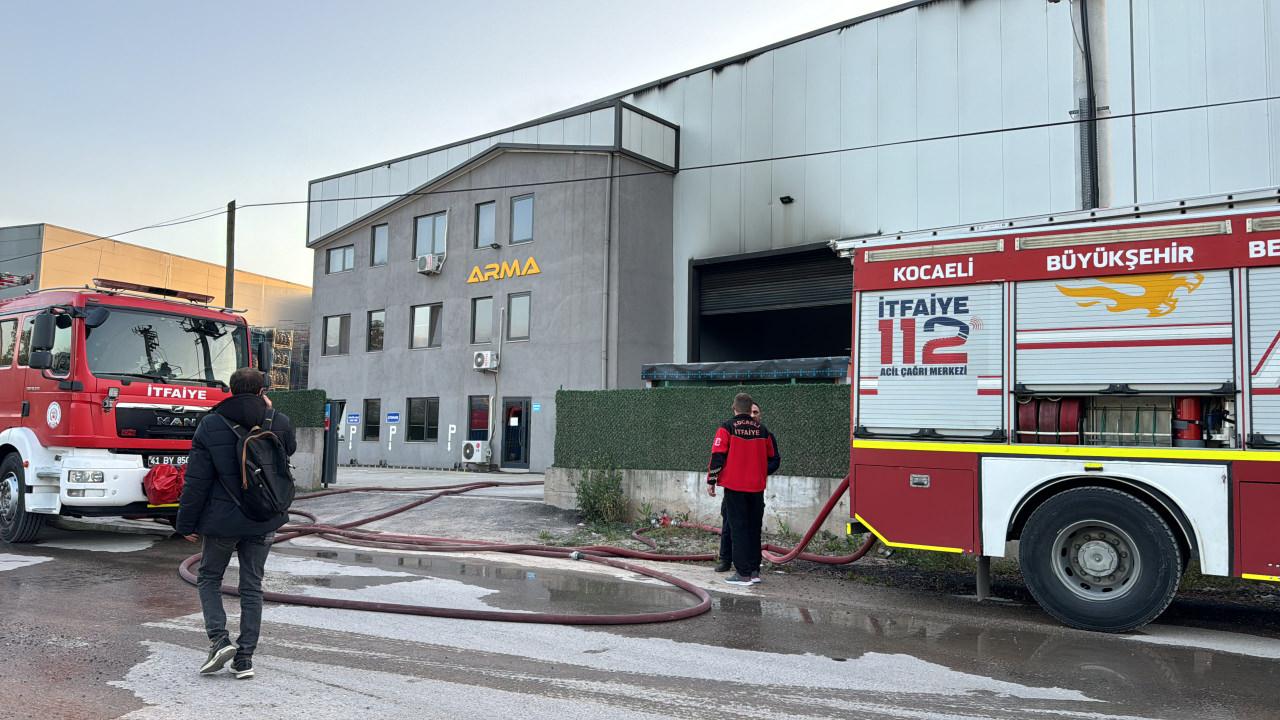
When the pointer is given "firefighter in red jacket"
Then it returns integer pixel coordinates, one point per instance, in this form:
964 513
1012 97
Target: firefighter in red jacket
743 455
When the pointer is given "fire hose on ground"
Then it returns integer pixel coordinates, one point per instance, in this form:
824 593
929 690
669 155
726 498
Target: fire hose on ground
611 556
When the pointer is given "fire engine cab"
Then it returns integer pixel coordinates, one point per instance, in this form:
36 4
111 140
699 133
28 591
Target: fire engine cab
1104 391
97 386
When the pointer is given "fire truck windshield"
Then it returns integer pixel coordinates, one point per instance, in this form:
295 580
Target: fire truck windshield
163 348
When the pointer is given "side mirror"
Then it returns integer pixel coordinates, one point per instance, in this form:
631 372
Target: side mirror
42 333
96 317
263 356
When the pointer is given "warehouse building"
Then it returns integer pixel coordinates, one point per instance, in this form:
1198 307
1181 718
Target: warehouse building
931 114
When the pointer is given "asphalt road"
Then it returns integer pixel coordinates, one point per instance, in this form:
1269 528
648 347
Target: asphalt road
98 625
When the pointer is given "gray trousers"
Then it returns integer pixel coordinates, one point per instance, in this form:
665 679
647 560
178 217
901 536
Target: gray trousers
215 554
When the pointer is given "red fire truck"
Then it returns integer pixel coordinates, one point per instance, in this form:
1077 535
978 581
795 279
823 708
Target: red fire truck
1103 390
98 385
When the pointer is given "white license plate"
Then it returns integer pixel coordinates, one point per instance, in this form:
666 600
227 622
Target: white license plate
175 460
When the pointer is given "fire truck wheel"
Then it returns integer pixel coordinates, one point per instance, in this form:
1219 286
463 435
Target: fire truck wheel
16 524
1100 559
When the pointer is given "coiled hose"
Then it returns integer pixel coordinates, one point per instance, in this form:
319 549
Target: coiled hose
611 556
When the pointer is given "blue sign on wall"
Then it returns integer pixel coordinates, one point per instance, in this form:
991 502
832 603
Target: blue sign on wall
353 419
537 407
393 418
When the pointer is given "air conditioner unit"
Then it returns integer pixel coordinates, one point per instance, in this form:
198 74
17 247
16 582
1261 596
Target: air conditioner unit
484 360
476 451
430 264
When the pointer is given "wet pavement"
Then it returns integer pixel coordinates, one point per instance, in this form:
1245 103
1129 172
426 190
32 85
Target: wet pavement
98 625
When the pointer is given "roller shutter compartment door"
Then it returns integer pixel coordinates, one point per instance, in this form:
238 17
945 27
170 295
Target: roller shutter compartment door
931 360
1167 331
1264 351
774 284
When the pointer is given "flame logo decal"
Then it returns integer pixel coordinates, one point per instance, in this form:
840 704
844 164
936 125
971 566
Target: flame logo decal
1157 294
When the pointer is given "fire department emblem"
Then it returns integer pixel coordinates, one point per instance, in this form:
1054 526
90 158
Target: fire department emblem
53 416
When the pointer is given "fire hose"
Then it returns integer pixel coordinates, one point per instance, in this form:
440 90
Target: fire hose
611 556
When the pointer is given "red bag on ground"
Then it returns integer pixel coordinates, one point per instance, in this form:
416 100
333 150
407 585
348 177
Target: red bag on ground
163 484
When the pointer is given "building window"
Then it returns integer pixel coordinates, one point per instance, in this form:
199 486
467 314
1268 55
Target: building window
518 316
481 320
372 419
337 335
342 258
429 235
425 326
478 417
373 337
424 419
521 219
378 246
486 224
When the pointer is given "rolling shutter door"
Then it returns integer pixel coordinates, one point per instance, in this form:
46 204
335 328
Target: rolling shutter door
931 360
1156 330
1264 351
777 283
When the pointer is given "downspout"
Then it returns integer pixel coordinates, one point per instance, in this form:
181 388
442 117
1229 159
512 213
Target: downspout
1091 193
608 261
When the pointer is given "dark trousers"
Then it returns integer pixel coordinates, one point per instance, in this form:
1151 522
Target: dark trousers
726 535
215 554
744 512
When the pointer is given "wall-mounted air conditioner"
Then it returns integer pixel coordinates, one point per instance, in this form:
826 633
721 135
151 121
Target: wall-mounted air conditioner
485 360
430 264
476 451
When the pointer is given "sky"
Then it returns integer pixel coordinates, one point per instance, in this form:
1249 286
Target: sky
124 114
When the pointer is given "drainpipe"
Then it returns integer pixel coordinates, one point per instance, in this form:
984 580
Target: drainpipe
1090 187
608 261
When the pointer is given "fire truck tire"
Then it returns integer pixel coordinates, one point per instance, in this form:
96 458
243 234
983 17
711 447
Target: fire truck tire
16 524
1100 559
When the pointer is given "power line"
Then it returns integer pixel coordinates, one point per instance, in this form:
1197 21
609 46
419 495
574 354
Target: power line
183 220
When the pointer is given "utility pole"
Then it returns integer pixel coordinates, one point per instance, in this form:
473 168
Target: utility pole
229 298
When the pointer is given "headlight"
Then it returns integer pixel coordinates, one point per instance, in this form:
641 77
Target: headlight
85 476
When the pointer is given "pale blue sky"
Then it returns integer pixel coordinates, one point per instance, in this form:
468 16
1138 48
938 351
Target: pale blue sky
120 114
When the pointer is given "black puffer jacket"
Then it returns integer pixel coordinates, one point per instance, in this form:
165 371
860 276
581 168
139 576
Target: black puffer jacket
213 471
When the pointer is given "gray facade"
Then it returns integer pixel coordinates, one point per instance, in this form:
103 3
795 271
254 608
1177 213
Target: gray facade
581 221
20 248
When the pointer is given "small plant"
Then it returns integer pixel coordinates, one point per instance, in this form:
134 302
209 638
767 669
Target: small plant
600 497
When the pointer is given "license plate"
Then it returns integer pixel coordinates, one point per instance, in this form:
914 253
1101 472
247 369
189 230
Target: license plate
175 460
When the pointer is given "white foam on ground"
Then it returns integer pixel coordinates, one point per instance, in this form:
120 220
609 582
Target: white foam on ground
13 562
437 592
293 690
1226 642
102 543
316 567
569 645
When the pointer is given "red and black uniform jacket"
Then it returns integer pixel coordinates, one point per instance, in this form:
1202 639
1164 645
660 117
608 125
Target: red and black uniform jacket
743 454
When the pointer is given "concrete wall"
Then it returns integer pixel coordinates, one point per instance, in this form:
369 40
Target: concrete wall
20 254
566 305
790 500
308 460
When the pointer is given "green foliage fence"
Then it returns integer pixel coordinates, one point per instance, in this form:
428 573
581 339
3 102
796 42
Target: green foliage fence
671 428
304 407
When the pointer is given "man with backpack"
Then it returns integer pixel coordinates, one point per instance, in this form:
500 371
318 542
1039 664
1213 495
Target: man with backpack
237 491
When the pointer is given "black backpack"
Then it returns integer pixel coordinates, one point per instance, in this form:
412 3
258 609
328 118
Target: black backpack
266 482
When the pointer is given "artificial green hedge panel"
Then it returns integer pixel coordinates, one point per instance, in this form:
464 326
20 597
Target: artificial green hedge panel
671 428
304 407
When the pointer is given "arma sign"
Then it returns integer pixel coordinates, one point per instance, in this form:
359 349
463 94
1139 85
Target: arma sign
502 271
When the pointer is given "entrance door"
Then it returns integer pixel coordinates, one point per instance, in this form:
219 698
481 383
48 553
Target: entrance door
515 433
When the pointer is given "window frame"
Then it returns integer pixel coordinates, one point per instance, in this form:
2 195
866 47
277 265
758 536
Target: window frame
373 245
324 335
494 239
377 421
528 321
12 350
511 229
444 241
474 302
368 330
429 402
436 309
328 259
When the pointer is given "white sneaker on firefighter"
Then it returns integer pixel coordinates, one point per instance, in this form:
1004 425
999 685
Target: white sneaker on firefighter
736 579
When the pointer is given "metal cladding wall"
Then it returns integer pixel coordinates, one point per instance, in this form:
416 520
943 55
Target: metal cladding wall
1264 351
939 114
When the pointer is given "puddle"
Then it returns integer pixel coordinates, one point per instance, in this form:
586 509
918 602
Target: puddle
13 562
502 585
95 542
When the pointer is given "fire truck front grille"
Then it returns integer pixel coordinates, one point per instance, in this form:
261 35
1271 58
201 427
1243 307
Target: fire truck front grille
176 423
